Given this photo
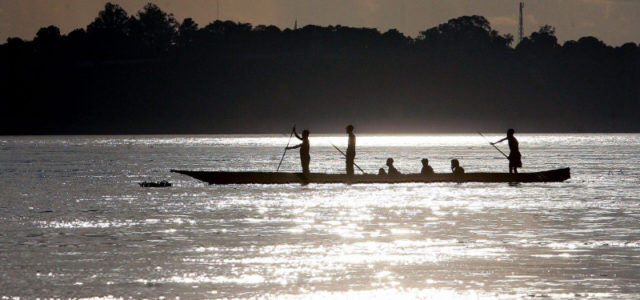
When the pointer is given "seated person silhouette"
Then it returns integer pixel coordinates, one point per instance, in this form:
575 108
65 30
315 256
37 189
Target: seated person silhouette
426 168
456 168
382 172
392 170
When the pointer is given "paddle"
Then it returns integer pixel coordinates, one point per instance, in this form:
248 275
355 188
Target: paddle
285 148
334 146
494 146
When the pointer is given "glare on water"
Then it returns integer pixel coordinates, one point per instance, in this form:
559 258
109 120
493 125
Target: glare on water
76 224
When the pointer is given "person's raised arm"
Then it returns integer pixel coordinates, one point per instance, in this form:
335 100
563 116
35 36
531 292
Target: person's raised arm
294 147
296 134
500 141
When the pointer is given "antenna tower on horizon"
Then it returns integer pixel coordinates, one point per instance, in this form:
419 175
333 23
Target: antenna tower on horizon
217 9
520 24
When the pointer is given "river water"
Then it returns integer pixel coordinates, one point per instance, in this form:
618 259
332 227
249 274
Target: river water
75 223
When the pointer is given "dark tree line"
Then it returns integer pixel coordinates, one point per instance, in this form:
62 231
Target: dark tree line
149 73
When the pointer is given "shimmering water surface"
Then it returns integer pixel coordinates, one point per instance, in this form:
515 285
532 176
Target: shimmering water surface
75 223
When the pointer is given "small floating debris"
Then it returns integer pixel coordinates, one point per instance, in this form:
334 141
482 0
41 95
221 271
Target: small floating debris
612 172
163 183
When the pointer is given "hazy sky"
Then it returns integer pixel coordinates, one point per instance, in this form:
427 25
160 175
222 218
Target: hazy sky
613 21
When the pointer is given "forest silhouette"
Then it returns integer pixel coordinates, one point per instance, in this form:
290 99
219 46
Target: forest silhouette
150 73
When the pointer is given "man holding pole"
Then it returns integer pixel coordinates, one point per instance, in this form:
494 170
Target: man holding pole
305 158
351 150
515 158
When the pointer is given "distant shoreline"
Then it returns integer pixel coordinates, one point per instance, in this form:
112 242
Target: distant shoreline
151 73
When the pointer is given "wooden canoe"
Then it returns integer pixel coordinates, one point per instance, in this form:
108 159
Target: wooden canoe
221 177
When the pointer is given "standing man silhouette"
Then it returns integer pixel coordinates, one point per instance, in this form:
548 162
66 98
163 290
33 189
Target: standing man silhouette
305 158
351 150
515 158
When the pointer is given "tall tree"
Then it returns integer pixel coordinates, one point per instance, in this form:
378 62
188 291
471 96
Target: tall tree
466 34
109 33
47 35
187 32
540 43
158 29
112 21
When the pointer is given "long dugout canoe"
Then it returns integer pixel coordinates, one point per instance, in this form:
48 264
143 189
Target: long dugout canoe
221 177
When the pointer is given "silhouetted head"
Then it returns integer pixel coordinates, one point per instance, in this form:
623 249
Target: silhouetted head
389 161
425 162
455 163
349 129
305 133
510 132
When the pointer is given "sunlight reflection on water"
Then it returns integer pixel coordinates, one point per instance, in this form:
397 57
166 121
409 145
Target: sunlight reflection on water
73 215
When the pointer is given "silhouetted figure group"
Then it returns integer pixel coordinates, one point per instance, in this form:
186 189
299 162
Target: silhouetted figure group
514 157
427 170
305 158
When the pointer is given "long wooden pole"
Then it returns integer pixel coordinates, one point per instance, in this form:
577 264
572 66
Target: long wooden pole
285 149
361 170
494 146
